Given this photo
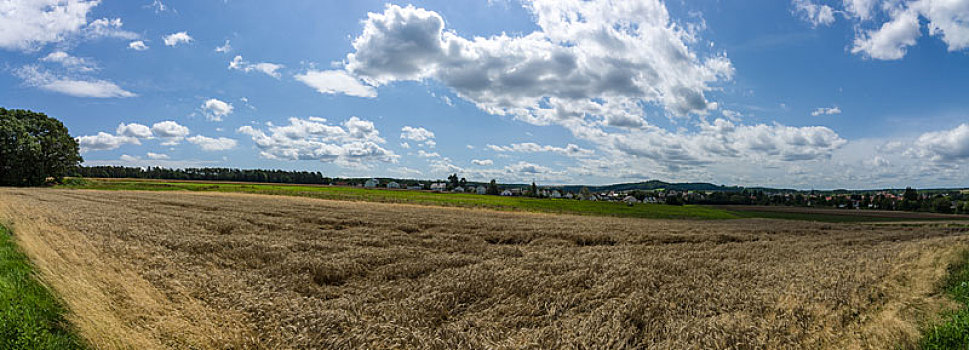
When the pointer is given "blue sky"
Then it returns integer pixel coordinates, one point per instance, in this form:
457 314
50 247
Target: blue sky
804 94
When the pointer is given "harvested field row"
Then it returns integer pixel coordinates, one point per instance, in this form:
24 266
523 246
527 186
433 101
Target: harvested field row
872 215
204 270
464 200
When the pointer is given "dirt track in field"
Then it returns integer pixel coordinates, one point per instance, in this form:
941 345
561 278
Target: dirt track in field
154 270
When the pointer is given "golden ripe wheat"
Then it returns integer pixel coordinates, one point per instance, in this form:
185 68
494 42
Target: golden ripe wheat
215 271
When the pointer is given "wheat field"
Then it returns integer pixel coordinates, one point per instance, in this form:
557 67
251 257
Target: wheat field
151 270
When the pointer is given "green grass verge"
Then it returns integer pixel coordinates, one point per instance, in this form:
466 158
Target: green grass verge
30 316
559 206
954 332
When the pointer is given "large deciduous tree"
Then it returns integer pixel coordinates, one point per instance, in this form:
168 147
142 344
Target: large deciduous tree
493 188
34 148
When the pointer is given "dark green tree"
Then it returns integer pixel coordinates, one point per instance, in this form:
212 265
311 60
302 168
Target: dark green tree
453 181
534 190
34 149
493 188
674 200
910 194
942 205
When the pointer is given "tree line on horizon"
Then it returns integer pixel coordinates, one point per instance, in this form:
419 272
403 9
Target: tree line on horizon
205 174
950 202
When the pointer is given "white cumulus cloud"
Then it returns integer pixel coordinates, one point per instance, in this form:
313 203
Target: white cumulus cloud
73 63
134 130
170 131
425 154
418 134
224 48
103 141
891 41
138 45
177 38
30 24
860 8
523 167
885 29
158 156
107 28
817 14
347 144
270 69
334 82
826 111
159 6
74 86
214 109
531 147
212 144
722 141
943 146
596 59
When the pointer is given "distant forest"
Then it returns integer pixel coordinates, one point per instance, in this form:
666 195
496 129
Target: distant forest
206 174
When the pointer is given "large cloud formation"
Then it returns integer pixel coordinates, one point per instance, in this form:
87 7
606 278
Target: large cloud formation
722 141
350 144
603 58
169 132
593 67
885 29
943 146
28 25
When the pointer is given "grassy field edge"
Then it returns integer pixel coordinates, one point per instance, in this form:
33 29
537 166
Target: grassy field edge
31 317
953 333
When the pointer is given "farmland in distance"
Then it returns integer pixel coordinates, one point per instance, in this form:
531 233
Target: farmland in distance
517 203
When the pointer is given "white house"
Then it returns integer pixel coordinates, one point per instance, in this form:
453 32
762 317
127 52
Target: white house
393 185
506 193
481 189
415 187
555 194
439 186
458 189
371 183
569 195
630 200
